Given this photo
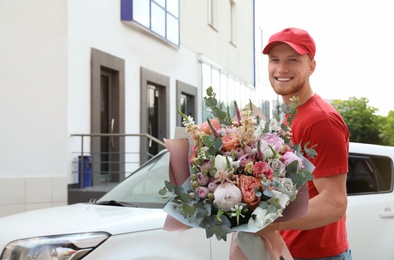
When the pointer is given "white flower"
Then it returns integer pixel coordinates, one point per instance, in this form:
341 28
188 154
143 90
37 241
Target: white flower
274 125
287 184
188 122
276 164
283 198
260 129
221 162
271 217
227 195
265 149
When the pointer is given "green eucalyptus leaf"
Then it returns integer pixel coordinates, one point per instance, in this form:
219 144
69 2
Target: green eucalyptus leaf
163 191
211 102
185 197
169 186
209 91
178 190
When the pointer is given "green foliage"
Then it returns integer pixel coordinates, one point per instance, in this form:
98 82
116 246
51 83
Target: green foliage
386 126
361 120
217 109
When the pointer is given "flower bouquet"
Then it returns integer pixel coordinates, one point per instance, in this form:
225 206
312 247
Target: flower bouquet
244 170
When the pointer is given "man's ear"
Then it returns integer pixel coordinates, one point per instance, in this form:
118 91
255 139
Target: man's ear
311 68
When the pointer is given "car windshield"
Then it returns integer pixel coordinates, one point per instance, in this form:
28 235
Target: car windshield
141 188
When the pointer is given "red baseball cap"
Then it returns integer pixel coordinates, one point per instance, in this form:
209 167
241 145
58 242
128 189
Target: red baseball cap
298 39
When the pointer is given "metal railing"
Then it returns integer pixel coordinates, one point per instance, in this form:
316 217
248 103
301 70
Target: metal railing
104 159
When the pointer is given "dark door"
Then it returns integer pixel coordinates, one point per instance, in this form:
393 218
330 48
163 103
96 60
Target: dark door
107 117
154 118
108 151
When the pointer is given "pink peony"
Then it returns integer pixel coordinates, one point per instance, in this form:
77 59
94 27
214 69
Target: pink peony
274 140
227 195
289 157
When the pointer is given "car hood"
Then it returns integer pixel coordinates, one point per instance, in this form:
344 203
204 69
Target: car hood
79 218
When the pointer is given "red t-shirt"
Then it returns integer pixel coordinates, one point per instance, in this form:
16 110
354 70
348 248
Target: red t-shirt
318 122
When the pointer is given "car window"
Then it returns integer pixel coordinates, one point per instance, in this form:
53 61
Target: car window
369 174
142 187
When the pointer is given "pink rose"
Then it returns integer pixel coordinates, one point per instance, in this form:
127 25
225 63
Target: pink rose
277 165
248 149
230 142
202 192
205 126
247 185
239 152
212 186
262 168
245 159
202 179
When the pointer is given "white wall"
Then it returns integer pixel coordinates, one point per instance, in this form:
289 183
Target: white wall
33 83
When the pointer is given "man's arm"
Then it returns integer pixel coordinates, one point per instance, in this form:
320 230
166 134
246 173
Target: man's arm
327 207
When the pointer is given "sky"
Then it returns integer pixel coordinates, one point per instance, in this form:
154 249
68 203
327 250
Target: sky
354 45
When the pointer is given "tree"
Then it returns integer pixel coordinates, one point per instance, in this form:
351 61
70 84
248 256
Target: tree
386 125
361 119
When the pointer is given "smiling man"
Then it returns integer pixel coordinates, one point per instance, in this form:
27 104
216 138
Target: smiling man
321 233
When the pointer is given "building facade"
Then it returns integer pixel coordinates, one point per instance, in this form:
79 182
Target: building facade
74 67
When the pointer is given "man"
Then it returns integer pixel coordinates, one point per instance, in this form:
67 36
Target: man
321 233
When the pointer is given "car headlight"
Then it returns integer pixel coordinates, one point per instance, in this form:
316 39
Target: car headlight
60 247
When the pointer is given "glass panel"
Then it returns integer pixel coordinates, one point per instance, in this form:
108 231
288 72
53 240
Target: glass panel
141 12
216 83
230 93
141 188
158 20
172 29
223 89
206 82
162 3
186 105
173 7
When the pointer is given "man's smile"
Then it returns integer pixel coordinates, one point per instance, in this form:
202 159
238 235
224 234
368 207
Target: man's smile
283 79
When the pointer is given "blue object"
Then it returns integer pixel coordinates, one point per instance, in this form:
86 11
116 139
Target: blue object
85 176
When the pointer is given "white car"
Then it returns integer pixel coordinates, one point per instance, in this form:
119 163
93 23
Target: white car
128 222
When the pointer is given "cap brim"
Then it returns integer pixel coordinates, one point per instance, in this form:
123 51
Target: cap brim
299 49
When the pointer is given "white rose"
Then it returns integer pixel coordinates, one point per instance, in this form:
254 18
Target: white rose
221 162
265 149
274 125
283 198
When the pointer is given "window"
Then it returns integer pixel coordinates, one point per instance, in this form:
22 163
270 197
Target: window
161 17
369 174
227 88
212 13
233 22
186 96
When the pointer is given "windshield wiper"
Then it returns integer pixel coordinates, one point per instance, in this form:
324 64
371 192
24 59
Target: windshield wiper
115 203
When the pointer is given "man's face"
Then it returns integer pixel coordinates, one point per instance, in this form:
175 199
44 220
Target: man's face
289 71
